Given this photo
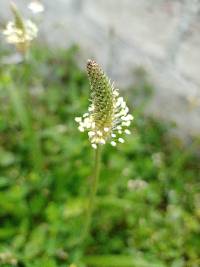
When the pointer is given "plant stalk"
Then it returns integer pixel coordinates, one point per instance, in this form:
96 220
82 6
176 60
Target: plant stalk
93 192
23 115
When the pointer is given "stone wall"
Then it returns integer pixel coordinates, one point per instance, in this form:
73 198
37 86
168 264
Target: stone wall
162 36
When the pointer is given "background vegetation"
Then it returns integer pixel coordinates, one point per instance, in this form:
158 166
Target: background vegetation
148 205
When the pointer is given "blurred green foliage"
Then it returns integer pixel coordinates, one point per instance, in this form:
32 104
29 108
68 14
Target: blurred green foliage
148 205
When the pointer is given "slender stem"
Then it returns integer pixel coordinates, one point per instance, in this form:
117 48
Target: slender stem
93 192
18 106
24 116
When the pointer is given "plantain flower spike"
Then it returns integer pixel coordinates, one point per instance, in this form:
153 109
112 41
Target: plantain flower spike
108 115
20 32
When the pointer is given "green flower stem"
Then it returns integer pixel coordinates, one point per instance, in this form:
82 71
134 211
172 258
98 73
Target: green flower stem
93 192
23 114
18 105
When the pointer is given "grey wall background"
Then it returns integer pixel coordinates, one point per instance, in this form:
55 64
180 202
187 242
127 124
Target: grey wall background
163 36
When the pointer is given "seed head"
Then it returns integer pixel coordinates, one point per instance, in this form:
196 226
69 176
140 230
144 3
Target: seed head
107 117
19 31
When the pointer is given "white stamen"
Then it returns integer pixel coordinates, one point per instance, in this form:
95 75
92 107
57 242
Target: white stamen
121 140
94 146
126 123
126 110
102 141
130 117
123 104
91 108
99 133
90 134
78 119
113 143
81 129
115 93
127 131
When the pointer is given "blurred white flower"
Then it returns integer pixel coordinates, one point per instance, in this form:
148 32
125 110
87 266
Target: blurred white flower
137 184
36 7
61 128
20 32
15 35
7 258
157 159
